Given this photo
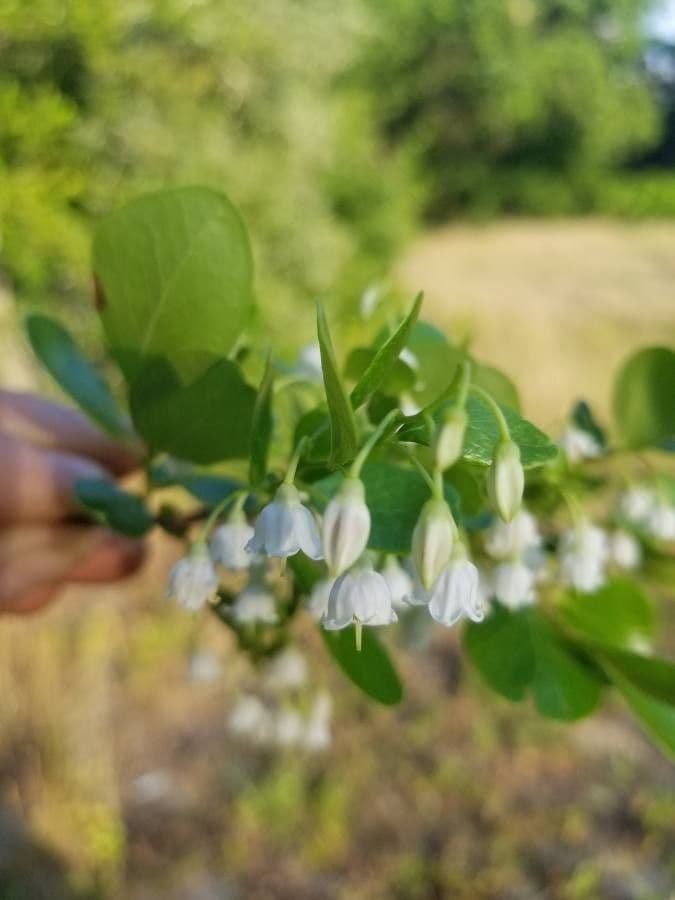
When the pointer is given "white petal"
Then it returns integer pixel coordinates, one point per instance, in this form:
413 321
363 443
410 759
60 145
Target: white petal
307 533
340 611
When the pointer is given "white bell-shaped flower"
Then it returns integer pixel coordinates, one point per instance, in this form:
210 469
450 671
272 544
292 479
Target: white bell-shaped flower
506 480
432 541
317 735
513 584
360 596
317 603
661 522
346 526
578 444
398 580
514 539
228 543
637 504
449 440
255 605
289 727
584 553
251 719
285 527
625 550
193 581
456 593
287 671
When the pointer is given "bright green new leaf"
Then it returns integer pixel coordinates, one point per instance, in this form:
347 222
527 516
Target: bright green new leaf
436 361
174 271
394 496
261 426
344 436
399 378
204 422
61 356
385 358
113 507
496 383
644 398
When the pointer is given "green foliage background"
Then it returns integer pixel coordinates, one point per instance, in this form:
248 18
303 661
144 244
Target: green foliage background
332 126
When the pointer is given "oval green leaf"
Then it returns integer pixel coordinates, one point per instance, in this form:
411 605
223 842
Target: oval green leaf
644 404
111 506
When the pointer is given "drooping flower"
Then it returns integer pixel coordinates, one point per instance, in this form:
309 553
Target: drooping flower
309 362
228 543
288 727
251 719
449 440
514 539
285 526
398 580
584 553
578 444
432 541
317 733
287 671
513 584
625 550
317 603
506 480
193 581
456 594
255 604
360 596
346 526
637 504
661 521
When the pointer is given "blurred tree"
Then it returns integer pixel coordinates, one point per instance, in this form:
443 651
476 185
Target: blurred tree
101 100
512 104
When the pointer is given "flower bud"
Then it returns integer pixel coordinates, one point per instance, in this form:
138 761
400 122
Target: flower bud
449 440
432 541
346 526
506 480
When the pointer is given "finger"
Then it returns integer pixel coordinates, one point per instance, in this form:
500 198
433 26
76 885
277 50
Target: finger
35 563
52 426
36 485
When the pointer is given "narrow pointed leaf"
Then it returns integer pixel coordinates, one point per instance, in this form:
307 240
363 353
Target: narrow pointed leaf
74 374
385 358
344 436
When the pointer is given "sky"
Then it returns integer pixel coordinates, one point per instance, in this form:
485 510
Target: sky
661 22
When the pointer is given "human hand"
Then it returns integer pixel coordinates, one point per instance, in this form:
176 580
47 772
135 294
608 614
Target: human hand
44 545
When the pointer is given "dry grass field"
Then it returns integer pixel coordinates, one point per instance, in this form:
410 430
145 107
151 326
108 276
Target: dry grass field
119 779
556 305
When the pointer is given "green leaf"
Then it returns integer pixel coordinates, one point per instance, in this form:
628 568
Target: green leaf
437 361
394 496
344 436
111 506
643 398
385 358
501 649
204 486
582 416
206 421
496 383
564 684
619 613
398 379
648 673
370 669
657 717
174 271
261 426
482 436
520 651
61 356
